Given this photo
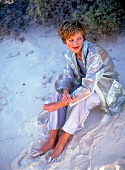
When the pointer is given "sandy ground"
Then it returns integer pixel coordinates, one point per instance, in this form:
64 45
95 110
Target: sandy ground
28 68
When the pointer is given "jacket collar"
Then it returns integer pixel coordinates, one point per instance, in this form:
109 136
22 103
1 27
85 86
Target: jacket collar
84 51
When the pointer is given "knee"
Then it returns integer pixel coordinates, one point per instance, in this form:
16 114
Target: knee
93 101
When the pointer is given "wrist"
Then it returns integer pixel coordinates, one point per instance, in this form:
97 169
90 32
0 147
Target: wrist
65 91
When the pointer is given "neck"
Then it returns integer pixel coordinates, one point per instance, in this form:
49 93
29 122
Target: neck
79 56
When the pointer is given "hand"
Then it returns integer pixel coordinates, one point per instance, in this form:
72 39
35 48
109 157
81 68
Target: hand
67 98
51 107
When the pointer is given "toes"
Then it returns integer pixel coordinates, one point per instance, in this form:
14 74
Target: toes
34 155
51 160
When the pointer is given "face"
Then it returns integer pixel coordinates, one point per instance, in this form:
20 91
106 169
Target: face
75 43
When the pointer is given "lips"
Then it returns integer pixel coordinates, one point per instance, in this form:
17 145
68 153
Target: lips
75 48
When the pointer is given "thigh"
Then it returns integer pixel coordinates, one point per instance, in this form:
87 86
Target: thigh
92 101
79 113
84 106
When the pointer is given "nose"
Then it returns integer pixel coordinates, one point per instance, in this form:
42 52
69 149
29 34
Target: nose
75 43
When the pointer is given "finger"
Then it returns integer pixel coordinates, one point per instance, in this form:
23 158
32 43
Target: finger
65 100
69 97
45 107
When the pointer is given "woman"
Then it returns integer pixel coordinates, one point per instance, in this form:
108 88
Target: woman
89 80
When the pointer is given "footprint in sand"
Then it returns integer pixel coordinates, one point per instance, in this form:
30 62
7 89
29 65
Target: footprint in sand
46 79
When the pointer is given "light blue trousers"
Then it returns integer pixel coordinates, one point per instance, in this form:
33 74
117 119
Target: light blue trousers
76 116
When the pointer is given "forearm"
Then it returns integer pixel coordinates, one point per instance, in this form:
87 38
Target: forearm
61 104
51 107
65 101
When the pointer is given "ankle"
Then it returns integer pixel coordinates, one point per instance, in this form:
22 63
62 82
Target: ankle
52 141
53 136
64 139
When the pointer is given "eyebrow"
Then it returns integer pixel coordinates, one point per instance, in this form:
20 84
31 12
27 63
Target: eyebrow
77 37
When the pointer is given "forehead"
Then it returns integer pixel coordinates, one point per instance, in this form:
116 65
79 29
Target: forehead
76 35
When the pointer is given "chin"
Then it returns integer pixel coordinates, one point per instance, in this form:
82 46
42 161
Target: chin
76 51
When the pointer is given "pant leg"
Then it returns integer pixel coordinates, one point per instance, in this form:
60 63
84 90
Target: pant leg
79 113
58 117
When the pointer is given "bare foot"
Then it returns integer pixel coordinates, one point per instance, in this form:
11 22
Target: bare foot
46 147
58 149
60 145
50 144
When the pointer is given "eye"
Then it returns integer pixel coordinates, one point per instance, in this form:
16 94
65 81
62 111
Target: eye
70 40
79 38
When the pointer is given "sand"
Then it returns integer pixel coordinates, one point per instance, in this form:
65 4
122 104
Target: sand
29 66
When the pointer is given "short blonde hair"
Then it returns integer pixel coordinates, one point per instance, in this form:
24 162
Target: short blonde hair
69 28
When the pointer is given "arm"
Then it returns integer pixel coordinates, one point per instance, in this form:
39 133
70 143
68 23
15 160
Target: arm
95 70
66 99
67 79
64 85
